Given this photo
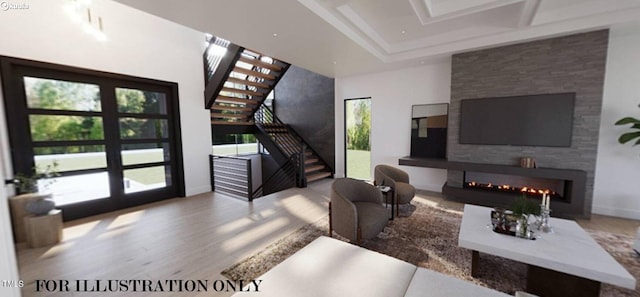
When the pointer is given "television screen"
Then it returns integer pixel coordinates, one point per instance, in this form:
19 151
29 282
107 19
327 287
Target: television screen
533 120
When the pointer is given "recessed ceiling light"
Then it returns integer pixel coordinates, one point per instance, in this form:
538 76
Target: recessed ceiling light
275 34
334 62
403 32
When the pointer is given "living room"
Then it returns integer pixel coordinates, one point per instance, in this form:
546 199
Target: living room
143 45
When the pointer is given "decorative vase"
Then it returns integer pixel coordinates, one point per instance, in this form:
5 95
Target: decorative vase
40 206
522 227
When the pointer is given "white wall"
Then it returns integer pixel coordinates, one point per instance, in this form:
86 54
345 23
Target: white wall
137 44
256 171
9 267
617 176
392 95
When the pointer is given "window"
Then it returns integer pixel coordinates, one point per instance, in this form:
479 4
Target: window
357 118
115 138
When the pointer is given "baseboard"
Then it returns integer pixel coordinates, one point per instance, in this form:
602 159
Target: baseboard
616 212
191 191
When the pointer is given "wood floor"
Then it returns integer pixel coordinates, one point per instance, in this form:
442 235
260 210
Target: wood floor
192 238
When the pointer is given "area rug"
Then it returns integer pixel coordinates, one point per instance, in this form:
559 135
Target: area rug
427 235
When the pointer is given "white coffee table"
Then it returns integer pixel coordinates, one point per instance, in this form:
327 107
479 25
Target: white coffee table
565 263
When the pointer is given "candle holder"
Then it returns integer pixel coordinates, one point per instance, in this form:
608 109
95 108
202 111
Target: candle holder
522 227
543 224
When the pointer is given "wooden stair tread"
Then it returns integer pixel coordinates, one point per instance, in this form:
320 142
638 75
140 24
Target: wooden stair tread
240 91
236 100
228 115
230 108
253 73
249 52
311 160
317 176
247 83
313 168
260 63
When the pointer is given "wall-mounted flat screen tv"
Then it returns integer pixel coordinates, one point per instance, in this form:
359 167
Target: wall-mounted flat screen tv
532 120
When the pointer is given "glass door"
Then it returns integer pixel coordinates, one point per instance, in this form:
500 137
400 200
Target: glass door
66 128
357 123
144 140
113 139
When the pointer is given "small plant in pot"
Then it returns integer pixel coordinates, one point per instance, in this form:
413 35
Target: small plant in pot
522 209
35 186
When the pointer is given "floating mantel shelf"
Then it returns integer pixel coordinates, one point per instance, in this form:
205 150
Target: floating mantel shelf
575 183
568 174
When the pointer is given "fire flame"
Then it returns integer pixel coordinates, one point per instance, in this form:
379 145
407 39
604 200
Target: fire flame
506 187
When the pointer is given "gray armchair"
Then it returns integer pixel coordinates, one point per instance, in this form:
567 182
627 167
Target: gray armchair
398 180
355 210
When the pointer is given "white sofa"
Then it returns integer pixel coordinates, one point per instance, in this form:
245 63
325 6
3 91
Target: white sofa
328 267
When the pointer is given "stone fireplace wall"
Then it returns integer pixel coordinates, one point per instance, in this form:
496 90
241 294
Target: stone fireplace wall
574 63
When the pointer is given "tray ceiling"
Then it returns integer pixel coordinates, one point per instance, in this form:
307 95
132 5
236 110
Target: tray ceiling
344 37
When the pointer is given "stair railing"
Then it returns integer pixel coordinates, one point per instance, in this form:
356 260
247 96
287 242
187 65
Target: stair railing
218 66
302 175
213 55
265 117
231 180
286 176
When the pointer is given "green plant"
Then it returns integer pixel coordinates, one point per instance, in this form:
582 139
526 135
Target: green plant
29 183
635 127
523 206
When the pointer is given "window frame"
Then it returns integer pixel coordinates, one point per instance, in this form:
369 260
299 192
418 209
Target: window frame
12 72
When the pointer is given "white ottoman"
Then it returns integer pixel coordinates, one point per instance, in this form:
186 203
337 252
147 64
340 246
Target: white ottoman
328 267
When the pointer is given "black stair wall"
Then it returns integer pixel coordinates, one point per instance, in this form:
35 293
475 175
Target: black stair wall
305 101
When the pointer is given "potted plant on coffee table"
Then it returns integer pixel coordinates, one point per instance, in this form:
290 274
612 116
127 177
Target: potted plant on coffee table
522 209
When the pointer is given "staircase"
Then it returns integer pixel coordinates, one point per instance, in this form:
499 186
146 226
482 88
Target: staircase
238 81
291 143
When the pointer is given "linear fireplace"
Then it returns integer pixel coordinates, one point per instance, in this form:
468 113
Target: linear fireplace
471 184
533 187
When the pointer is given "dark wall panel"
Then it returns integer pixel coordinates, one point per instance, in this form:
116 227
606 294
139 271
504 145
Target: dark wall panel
305 101
574 63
